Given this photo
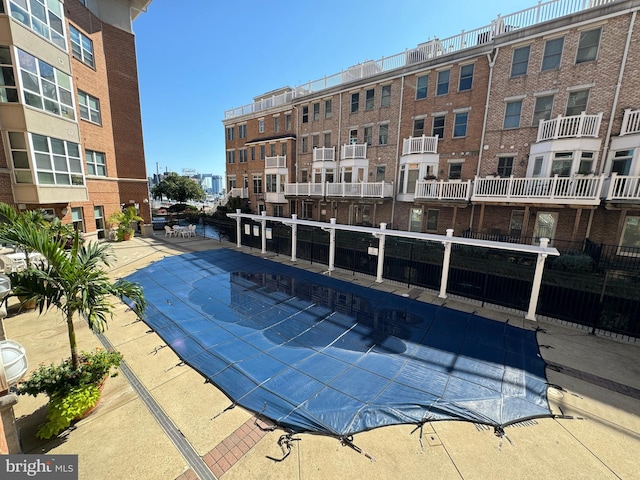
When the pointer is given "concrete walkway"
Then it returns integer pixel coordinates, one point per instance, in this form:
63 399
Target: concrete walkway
598 436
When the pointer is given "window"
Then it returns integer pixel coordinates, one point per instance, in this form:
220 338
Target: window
520 61
327 139
242 155
561 164
418 127
43 17
460 125
552 54
304 175
380 173
505 166
271 183
287 122
253 153
328 108
537 167
96 163
305 114
432 220
242 131
45 87
622 162
577 102
383 134
421 87
57 161
89 107
443 82
81 46
512 114
276 124
230 131
20 157
385 96
415 220
630 240
232 182
369 99
438 126
588 45
542 109
261 125
272 150
231 156
305 144
98 216
8 90
257 184
466 77
278 211
455 171
316 112
307 210
315 140
586 163
516 223
368 135
353 136
262 152
355 102
545 226
283 149
77 219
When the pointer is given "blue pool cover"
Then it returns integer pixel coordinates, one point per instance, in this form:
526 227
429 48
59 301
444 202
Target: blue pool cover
316 354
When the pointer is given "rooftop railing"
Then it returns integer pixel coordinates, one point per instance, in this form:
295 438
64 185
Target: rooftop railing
279 161
542 12
421 144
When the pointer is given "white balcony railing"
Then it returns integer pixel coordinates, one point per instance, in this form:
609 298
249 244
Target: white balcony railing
421 144
360 189
275 197
441 190
279 161
623 187
354 150
239 192
575 126
630 122
583 190
324 154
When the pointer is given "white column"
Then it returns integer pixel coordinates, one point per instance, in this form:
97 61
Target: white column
332 246
537 281
264 231
294 237
381 240
238 229
445 265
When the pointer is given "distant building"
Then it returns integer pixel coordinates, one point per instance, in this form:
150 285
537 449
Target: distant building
70 122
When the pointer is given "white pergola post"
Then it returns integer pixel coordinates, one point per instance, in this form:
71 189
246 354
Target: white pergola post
332 246
537 281
238 228
445 265
381 240
294 237
264 232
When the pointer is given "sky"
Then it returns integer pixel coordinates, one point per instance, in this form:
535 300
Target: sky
198 58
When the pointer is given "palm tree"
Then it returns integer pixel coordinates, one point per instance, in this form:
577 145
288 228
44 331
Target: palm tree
74 281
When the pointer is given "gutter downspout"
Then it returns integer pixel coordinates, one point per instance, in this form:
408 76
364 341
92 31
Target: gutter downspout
614 106
397 166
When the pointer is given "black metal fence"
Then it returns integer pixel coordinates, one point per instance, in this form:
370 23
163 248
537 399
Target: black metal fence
589 285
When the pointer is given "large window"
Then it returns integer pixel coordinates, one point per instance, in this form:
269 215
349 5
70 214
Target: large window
512 114
231 156
588 45
460 125
577 102
455 171
418 127
242 155
46 18
96 163
630 241
542 109
505 166
57 162
432 220
552 54
466 77
443 82
272 183
90 108
81 46
622 162
369 100
438 126
422 85
385 96
257 184
520 61
355 102
45 87
8 90
561 164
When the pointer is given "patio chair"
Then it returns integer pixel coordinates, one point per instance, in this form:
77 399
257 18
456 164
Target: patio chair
185 231
169 232
192 231
8 265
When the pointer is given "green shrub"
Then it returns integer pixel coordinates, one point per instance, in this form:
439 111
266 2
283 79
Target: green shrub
63 409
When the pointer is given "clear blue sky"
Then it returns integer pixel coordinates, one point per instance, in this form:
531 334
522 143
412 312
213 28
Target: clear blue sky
198 58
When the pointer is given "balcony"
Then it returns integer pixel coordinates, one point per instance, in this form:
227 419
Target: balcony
354 151
623 188
421 144
275 197
239 192
578 190
279 161
324 154
434 190
352 190
575 126
630 122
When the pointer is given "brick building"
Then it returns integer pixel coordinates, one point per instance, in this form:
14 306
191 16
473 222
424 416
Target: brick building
70 122
524 128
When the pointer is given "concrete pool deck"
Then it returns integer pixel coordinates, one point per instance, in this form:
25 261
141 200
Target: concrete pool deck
159 420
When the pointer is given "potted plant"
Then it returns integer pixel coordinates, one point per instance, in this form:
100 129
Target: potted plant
123 219
73 392
430 177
